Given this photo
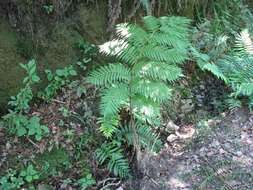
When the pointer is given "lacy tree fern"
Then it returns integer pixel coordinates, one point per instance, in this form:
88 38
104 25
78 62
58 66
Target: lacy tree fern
138 85
150 56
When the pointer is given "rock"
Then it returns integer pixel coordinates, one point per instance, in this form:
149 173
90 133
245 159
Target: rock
215 143
172 138
187 106
172 126
186 132
222 151
239 153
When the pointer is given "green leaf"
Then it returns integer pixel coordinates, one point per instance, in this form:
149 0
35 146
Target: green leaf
73 72
60 72
109 74
21 131
29 178
35 78
113 99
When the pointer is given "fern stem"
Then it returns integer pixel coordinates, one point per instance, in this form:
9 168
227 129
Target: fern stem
136 142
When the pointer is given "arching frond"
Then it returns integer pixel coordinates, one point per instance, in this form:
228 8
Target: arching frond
157 91
151 55
244 42
146 110
109 74
171 40
109 125
214 69
113 154
147 137
172 56
175 24
113 98
158 71
151 23
245 89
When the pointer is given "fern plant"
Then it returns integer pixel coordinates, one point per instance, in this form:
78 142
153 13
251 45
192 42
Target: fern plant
133 90
113 154
235 69
150 58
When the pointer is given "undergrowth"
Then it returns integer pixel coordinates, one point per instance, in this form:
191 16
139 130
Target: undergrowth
63 124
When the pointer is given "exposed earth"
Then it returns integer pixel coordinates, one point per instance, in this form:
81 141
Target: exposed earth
218 156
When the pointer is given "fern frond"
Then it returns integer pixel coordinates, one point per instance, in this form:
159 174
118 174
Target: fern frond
151 23
171 40
147 137
130 55
112 47
113 154
109 125
233 103
215 70
119 165
244 42
113 98
158 71
146 109
138 35
173 56
107 75
157 91
179 26
245 89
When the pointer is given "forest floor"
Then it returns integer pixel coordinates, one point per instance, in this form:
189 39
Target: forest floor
218 156
212 155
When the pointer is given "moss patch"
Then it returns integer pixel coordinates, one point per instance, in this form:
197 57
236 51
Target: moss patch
10 72
52 162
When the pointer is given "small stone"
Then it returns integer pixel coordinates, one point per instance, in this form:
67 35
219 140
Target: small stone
187 106
203 149
210 153
172 126
222 151
215 143
239 153
172 138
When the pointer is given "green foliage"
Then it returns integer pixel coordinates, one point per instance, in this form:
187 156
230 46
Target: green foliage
86 182
148 139
22 125
56 81
151 56
48 8
89 51
227 15
30 174
52 161
235 68
19 123
11 181
20 102
15 180
113 155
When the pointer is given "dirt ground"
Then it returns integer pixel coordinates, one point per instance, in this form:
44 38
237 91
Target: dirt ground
219 156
